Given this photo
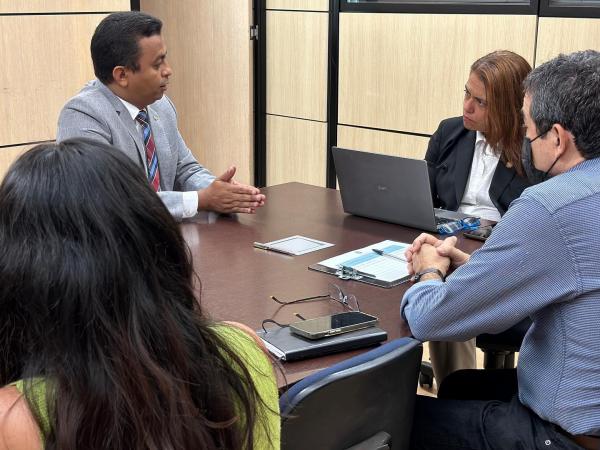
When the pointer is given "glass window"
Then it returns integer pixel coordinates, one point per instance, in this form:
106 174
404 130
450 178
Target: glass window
442 6
570 8
584 3
438 2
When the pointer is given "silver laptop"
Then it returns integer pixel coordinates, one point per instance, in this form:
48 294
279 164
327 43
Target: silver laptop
388 188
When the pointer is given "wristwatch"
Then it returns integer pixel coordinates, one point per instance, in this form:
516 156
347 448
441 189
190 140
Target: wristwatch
417 276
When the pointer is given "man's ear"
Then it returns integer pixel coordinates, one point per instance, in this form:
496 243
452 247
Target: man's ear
120 76
563 139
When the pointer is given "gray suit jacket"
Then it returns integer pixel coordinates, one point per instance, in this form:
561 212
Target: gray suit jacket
98 114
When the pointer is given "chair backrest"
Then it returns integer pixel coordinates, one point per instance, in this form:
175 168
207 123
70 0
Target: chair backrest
509 340
355 401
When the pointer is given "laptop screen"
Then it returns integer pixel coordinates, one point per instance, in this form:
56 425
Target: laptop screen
383 187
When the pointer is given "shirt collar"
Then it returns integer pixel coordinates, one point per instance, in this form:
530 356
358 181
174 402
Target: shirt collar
480 137
485 148
132 109
592 163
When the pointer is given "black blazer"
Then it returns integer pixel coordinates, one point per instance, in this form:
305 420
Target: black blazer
449 157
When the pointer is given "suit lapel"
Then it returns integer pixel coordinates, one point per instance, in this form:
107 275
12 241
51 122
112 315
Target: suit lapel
501 179
127 122
464 152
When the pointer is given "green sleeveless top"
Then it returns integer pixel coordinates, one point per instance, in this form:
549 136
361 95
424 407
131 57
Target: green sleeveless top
267 427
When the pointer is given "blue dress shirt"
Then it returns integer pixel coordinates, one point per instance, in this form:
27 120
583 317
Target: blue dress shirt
542 261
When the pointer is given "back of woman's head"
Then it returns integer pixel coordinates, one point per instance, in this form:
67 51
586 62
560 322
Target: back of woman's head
502 73
84 240
96 298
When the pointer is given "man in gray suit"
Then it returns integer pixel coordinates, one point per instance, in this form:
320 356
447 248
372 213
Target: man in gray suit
126 107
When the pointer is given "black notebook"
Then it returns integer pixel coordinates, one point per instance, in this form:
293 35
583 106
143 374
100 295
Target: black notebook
287 346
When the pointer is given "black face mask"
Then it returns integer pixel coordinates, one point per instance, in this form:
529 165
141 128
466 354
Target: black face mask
534 175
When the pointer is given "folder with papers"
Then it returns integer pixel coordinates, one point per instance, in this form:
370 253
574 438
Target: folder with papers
380 264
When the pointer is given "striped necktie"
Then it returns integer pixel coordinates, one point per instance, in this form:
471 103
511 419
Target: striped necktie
151 158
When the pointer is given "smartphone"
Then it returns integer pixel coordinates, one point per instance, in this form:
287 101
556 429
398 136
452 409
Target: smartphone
480 234
331 325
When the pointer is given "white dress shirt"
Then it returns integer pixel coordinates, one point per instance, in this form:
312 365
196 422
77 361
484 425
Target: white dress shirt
190 199
476 199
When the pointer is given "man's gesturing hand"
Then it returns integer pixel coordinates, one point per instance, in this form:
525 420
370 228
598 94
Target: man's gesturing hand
225 195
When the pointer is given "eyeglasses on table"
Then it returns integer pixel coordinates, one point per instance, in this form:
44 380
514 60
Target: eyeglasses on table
335 293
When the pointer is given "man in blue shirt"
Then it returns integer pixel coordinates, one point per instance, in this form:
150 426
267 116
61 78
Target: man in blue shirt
541 262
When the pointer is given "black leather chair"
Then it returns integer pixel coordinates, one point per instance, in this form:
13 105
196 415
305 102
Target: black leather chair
499 349
365 402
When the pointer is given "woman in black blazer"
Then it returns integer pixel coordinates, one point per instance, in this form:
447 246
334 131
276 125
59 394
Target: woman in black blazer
489 130
450 155
492 106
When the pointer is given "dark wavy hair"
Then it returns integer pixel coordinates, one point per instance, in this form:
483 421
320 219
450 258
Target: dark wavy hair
97 299
502 73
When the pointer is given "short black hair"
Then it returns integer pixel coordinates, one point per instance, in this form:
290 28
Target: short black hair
115 41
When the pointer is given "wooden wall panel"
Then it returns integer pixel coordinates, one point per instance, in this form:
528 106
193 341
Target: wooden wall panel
304 5
210 53
8 155
563 35
407 72
46 61
297 64
375 141
45 6
295 151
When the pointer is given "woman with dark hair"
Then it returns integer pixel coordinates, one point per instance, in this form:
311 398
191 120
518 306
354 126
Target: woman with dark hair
103 341
475 163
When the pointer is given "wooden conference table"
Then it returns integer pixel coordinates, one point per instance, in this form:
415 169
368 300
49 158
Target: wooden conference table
238 279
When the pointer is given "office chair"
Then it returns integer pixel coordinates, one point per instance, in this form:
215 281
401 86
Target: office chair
499 349
365 402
